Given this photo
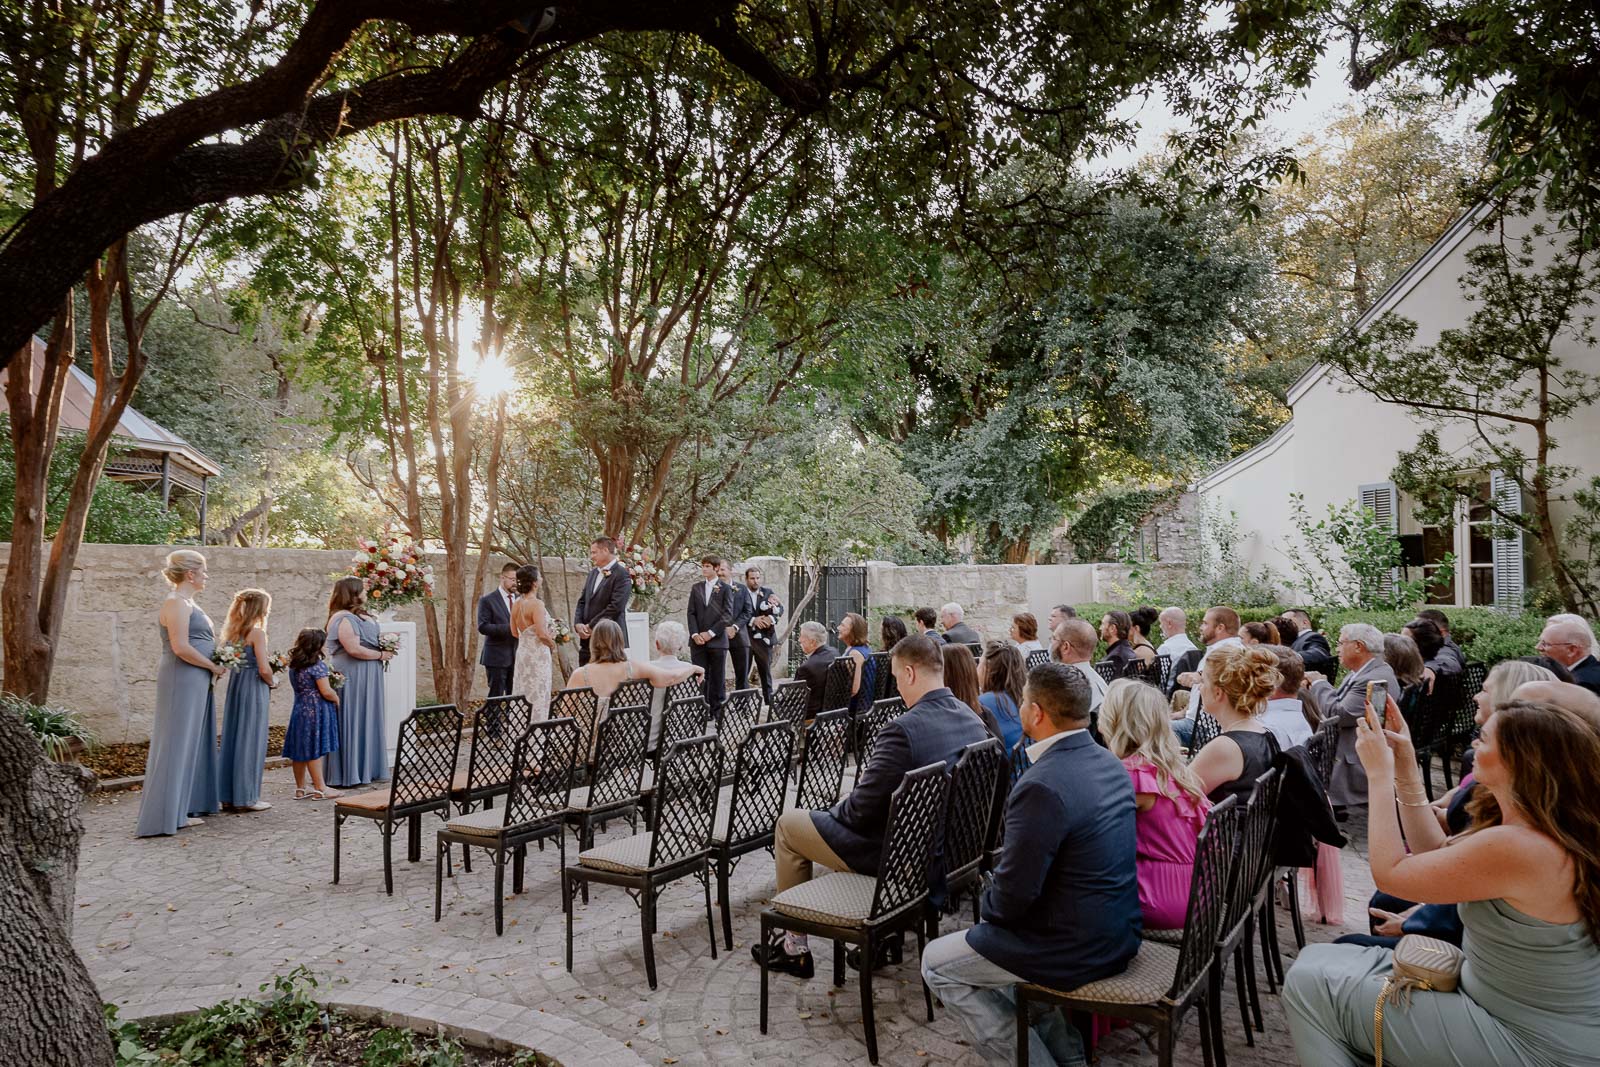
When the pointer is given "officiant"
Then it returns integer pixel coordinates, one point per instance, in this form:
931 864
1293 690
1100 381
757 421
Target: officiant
605 595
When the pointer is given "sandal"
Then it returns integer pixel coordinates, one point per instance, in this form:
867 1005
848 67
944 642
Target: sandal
302 794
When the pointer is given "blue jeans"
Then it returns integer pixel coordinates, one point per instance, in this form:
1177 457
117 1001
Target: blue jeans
1184 728
981 996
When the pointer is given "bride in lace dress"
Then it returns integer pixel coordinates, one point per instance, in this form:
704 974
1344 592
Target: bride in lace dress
530 625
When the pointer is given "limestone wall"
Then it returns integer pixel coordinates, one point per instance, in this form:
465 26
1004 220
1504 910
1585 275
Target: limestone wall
988 594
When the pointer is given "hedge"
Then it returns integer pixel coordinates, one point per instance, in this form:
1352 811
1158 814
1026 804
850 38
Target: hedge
1485 635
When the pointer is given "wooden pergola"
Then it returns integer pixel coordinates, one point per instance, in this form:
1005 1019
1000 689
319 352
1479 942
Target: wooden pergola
143 450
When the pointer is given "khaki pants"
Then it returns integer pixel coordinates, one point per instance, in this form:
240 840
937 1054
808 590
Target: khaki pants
797 845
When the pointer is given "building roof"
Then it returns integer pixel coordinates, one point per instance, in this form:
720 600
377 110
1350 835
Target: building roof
134 430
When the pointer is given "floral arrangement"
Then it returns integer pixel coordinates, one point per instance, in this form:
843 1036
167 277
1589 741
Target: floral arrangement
646 576
393 572
229 655
278 661
562 631
336 680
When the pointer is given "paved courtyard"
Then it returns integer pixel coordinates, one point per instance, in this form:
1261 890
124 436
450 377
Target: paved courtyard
166 924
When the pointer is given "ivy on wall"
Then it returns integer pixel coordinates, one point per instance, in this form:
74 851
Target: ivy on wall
1109 521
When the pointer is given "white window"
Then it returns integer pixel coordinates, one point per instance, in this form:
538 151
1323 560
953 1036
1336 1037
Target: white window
1489 570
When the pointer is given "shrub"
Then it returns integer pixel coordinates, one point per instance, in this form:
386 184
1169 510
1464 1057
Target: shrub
55 727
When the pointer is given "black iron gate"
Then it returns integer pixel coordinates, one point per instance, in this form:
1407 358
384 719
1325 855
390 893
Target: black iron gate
841 589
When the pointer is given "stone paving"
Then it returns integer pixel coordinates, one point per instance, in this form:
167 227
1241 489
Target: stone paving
169 924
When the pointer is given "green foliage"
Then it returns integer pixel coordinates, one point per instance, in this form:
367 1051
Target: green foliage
1210 570
54 726
1110 520
118 513
402 1048
1350 559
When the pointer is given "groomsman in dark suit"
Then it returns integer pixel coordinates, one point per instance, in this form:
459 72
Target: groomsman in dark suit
605 595
739 629
710 615
765 611
499 655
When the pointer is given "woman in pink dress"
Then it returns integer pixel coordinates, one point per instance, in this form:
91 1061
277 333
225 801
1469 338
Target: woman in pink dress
1137 728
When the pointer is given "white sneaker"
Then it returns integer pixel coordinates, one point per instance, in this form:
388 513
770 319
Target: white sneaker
260 805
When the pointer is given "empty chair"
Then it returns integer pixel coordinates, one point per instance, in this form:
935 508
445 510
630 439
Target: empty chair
822 762
501 722
973 791
789 702
1163 981
617 777
679 845
755 800
424 766
861 910
544 763
741 711
883 684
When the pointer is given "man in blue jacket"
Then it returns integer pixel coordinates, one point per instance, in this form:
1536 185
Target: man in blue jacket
849 836
1063 907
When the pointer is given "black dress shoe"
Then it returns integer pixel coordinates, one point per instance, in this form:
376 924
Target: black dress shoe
884 953
798 964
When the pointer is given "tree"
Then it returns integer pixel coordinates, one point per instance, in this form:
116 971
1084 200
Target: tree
1501 381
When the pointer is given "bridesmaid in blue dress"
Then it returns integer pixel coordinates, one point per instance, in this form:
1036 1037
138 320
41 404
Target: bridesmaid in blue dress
353 651
250 686
185 719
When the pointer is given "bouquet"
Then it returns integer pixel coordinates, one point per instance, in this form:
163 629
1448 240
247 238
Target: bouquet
562 631
646 576
336 680
229 655
278 661
388 643
392 571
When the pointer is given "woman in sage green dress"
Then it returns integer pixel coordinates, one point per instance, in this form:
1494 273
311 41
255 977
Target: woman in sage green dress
353 651
249 700
1526 878
185 719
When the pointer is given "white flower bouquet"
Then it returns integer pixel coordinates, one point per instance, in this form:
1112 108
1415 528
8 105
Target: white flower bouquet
229 655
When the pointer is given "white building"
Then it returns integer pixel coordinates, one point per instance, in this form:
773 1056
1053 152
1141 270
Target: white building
1341 444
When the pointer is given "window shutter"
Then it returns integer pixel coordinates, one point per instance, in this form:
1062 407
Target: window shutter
1508 557
1383 501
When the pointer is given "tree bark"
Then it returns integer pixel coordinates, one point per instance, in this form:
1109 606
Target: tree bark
53 1011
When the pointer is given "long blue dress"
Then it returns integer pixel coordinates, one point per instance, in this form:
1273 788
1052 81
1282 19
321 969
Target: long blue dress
361 757
183 731
244 733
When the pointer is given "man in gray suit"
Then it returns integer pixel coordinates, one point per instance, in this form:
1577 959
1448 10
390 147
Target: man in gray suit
1360 651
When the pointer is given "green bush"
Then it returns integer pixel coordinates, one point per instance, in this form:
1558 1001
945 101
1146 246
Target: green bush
55 727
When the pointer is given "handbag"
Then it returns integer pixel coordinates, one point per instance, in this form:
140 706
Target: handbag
1419 963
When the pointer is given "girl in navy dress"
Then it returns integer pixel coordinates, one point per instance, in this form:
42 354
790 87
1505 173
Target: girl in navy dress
314 722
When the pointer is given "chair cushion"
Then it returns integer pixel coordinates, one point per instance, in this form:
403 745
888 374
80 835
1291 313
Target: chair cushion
1165 937
629 855
372 800
837 899
1146 981
485 823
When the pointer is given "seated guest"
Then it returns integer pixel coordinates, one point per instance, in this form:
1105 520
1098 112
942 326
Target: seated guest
1235 684
1553 666
1312 645
1174 634
1000 679
1568 640
1075 648
961 678
1361 654
670 641
1144 622
1430 642
1451 650
1526 882
849 836
1289 715
853 632
1171 802
1258 633
1025 632
956 632
1287 632
813 670
891 629
1060 614
1063 906
1403 656
1219 629
1115 628
926 620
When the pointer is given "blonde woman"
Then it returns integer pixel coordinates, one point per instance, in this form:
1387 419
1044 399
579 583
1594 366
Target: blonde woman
1235 684
184 732
1171 800
244 725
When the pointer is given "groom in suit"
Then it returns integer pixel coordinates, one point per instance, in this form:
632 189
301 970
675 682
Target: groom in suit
499 655
765 611
710 615
605 595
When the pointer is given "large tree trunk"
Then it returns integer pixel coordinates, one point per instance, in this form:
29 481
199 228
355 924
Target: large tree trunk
52 1010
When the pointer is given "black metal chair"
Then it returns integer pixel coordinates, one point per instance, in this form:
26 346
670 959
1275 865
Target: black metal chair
681 720
544 765
1251 882
617 776
789 701
857 909
424 767
501 722
582 706
1146 671
866 728
741 711
973 792
976 648
1432 725
883 684
1017 762
1109 669
760 778
1206 728
822 762
687 689
1165 663
677 846
1163 981
837 683
1038 658
1322 750
631 693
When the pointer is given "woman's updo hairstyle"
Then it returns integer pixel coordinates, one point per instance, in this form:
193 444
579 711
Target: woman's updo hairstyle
527 575
1247 675
181 564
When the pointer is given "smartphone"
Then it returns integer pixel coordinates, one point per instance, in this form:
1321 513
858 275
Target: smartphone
1377 701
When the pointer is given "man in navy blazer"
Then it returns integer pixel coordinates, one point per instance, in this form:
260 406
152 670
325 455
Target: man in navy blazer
849 836
499 655
1063 906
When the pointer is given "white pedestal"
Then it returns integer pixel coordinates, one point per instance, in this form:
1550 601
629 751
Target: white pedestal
639 636
399 683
